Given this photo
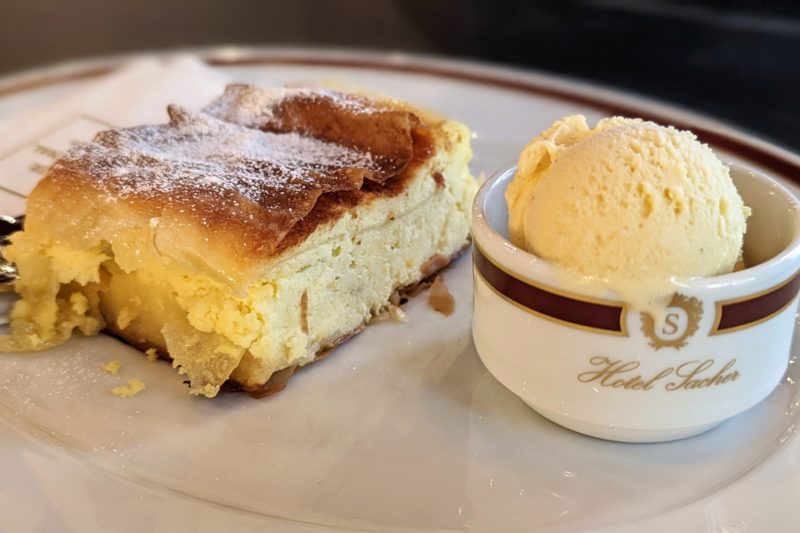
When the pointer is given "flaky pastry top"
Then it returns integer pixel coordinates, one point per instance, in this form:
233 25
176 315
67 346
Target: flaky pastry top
255 158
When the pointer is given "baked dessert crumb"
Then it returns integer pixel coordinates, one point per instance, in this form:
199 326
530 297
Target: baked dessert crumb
396 314
391 312
152 354
111 367
132 388
440 299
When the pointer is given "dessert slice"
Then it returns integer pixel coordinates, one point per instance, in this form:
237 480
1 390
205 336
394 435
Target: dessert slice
243 241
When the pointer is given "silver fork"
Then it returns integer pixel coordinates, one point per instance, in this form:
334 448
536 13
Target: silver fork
8 225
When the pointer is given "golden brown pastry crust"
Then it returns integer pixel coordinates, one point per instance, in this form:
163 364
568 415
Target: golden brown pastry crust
250 185
246 239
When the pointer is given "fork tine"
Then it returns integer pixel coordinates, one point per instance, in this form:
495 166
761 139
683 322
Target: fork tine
8 225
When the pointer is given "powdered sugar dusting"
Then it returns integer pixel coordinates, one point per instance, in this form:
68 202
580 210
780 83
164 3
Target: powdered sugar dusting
199 151
252 106
224 165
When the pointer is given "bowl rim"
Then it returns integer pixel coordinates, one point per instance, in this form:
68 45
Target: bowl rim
534 269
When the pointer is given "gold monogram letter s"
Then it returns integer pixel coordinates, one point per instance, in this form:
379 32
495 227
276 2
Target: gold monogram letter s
671 327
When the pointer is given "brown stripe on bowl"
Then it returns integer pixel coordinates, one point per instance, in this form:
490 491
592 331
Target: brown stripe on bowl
751 310
594 315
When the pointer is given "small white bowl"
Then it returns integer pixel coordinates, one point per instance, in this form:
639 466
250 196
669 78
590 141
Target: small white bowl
598 368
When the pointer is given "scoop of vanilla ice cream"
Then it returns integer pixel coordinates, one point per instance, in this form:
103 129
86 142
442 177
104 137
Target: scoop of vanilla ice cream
628 201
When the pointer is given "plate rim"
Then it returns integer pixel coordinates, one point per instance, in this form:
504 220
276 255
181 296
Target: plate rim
727 136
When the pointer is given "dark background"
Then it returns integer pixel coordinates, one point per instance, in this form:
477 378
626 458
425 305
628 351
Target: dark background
738 61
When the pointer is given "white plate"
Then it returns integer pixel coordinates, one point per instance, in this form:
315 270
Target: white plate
401 428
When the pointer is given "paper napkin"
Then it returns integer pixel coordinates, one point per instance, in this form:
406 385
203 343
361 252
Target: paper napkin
136 93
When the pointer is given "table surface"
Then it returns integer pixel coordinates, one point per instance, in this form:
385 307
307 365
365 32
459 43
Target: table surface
737 62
